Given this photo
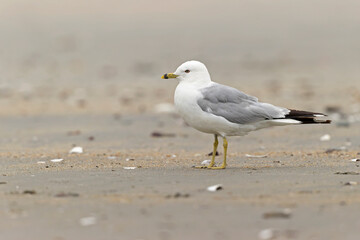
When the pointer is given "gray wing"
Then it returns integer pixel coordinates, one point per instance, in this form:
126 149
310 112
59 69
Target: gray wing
236 106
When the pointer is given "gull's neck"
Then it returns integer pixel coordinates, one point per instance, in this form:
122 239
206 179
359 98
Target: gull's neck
198 81
197 84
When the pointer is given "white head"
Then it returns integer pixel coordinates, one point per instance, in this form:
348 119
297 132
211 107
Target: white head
191 71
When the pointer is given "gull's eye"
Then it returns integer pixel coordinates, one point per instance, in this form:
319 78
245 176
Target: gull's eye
187 71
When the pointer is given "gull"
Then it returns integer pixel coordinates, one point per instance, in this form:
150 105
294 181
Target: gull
224 111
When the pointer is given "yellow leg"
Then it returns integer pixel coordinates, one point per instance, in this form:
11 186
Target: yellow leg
216 143
212 163
223 166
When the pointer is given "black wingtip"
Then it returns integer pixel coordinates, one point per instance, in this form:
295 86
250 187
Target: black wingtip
306 117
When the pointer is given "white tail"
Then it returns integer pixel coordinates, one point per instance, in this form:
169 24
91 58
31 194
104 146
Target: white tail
280 122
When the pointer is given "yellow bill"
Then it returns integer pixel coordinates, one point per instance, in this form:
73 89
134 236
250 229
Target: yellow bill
169 75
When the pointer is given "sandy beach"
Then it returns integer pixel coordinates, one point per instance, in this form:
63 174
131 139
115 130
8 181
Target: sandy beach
298 190
87 74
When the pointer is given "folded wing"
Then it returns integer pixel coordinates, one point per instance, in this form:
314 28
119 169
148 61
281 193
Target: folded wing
236 106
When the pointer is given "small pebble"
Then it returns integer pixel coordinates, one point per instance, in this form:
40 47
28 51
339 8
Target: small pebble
56 160
211 153
285 213
67 194
347 173
266 234
351 183
206 162
160 134
215 188
31 192
325 137
178 195
331 150
129 168
76 150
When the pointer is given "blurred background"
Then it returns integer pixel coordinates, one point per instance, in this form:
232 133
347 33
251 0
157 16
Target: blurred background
92 56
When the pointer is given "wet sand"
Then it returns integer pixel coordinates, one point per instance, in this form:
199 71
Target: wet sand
294 190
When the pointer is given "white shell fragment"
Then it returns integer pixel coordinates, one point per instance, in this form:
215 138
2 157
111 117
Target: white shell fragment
266 234
206 162
355 160
256 156
76 150
129 168
111 157
41 162
325 137
351 183
56 160
215 188
87 221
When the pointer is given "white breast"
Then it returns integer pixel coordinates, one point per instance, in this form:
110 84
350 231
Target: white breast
185 99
